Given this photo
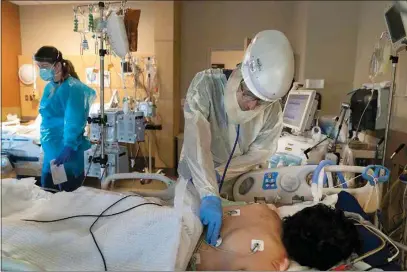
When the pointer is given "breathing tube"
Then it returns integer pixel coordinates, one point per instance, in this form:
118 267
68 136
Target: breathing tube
230 157
321 165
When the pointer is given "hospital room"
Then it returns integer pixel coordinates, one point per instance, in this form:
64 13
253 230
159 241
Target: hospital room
203 135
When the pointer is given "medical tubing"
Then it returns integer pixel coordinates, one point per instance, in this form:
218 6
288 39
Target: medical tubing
347 181
342 118
400 246
367 202
90 165
383 236
317 170
373 251
230 157
394 230
369 253
392 187
404 198
314 146
363 113
394 60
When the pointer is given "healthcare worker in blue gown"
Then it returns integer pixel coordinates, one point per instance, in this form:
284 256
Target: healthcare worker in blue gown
64 109
233 120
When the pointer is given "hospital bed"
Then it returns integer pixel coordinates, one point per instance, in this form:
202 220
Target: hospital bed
159 234
149 238
21 144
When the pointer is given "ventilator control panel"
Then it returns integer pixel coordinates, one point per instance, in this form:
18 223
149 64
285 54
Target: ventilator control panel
285 185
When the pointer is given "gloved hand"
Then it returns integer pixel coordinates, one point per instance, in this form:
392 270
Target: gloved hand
64 156
210 214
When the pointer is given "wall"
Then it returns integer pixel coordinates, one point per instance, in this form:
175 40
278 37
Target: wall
323 35
167 43
299 37
229 58
10 49
224 25
53 25
329 49
371 25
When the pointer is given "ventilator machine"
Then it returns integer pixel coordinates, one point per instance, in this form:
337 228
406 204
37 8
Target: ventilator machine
299 116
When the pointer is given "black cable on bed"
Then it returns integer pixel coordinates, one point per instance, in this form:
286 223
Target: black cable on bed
98 216
90 215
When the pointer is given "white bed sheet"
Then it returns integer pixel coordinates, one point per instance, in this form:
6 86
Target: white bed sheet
22 141
148 238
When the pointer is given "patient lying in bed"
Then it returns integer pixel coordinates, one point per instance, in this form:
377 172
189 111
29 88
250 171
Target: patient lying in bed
317 237
255 222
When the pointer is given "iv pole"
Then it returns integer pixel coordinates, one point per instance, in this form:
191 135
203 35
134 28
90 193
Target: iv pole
102 53
394 60
101 119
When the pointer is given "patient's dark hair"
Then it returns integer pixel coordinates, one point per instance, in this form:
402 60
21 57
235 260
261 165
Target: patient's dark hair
320 237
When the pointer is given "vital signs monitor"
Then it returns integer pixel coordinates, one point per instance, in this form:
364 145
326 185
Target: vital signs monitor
299 109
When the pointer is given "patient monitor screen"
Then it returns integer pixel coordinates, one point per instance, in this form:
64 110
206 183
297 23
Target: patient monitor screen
395 24
295 109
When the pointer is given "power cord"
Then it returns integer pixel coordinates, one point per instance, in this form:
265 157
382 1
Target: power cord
363 113
382 237
90 165
97 218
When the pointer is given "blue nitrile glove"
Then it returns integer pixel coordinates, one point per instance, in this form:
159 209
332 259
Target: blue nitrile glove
218 177
211 215
64 156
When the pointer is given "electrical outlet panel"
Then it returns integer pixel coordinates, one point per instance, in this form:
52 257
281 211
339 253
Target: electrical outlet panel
314 83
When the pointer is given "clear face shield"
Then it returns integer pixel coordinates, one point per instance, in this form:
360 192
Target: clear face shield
238 98
46 65
47 71
246 95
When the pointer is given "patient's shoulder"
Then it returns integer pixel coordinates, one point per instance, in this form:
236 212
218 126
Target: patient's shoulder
255 211
252 219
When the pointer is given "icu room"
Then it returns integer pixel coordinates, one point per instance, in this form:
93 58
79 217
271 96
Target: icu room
203 135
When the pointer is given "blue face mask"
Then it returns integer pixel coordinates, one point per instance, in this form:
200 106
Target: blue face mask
47 74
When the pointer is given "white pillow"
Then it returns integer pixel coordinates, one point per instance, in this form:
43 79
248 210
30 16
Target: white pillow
290 210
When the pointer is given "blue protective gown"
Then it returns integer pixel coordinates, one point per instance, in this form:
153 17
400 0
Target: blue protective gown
64 110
